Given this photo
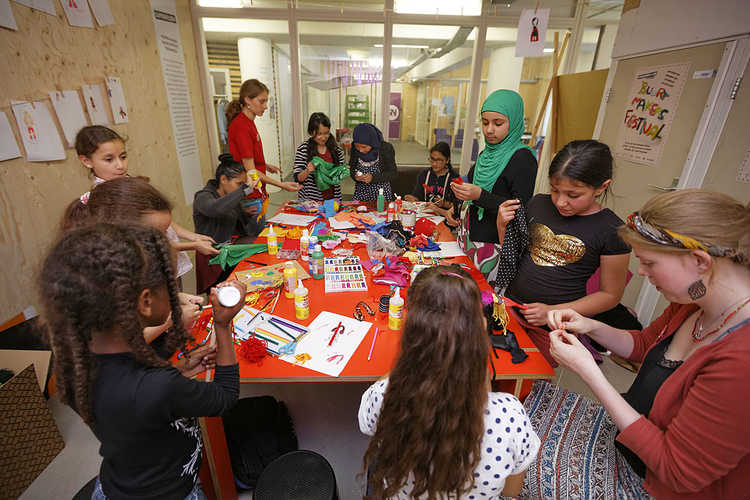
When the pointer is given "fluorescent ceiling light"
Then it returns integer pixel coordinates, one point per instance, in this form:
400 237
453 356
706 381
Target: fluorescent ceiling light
549 50
447 7
404 46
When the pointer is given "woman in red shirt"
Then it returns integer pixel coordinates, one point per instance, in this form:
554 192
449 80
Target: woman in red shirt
244 139
683 424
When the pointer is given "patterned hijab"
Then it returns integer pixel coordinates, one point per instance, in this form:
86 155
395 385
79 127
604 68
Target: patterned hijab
369 134
495 157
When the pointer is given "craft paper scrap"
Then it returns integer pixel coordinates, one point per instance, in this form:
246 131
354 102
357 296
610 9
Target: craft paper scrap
532 30
330 342
340 224
38 131
102 12
46 6
78 13
117 99
67 104
448 249
8 144
6 15
292 219
92 96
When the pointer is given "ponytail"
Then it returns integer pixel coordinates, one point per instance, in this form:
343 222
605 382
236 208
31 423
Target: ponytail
228 167
233 109
250 88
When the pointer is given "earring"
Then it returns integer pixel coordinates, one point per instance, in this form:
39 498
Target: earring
697 289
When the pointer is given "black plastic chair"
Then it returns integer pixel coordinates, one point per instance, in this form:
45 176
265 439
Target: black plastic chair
297 475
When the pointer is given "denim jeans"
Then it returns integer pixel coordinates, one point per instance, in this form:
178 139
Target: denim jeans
195 494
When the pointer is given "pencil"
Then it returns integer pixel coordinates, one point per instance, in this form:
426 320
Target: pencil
282 330
374 338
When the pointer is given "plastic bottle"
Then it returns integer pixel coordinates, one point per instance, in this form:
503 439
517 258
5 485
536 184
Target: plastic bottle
390 214
399 205
381 200
395 311
304 243
254 176
311 245
317 263
290 279
273 245
301 301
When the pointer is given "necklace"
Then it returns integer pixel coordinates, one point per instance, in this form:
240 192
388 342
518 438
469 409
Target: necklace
697 333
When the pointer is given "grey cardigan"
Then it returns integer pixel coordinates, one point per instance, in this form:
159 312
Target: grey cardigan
220 216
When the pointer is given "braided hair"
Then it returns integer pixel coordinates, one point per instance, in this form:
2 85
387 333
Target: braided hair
90 283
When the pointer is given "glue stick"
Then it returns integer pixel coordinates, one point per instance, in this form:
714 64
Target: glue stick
304 243
290 279
395 311
301 301
273 245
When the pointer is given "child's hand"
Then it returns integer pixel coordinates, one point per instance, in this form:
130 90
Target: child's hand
507 212
190 314
466 191
197 361
186 298
290 186
310 166
251 210
223 315
204 248
201 237
536 313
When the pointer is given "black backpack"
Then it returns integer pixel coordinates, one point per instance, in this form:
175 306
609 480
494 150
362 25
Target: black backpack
258 430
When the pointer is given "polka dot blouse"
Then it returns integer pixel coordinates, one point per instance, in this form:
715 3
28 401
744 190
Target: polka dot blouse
508 447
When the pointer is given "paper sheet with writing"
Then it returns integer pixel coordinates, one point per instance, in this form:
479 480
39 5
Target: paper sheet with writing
102 12
178 95
69 111
117 99
94 99
8 145
7 20
325 352
292 219
38 131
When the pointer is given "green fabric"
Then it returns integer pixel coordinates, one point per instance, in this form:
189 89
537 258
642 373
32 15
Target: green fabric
495 157
231 255
328 174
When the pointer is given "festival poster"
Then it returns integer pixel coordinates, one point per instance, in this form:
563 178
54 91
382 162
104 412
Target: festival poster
651 107
532 31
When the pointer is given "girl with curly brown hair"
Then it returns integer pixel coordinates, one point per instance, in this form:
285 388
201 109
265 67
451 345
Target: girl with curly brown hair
436 429
101 285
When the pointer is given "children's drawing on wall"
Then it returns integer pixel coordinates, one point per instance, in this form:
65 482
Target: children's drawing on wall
92 95
532 32
6 16
117 99
102 12
38 131
77 12
651 108
46 6
67 104
8 144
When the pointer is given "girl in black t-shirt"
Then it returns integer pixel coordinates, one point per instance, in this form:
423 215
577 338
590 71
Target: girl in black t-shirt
101 285
433 184
571 235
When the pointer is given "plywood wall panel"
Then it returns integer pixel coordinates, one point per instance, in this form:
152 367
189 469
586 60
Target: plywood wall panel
46 53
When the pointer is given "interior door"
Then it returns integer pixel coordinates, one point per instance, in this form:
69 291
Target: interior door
634 183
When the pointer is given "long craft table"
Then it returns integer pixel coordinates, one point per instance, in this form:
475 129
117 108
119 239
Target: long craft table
511 376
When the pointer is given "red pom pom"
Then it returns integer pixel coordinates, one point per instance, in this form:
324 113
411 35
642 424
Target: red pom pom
254 350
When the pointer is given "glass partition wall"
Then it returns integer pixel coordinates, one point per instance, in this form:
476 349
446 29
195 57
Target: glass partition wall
441 58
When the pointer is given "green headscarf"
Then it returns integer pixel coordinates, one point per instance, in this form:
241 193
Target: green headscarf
495 157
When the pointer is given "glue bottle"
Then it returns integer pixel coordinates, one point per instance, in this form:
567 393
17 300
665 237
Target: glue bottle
290 279
301 301
254 176
229 296
395 311
381 200
273 245
316 263
304 243
399 204
390 214
311 245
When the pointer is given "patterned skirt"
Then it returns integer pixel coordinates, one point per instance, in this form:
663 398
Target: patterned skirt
577 458
484 256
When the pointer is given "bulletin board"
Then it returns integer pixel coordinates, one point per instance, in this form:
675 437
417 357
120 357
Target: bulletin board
632 182
577 99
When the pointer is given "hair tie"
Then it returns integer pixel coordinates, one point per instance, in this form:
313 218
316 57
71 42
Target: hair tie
85 197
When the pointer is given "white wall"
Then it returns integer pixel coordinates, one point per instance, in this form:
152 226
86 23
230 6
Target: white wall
505 70
664 24
604 57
